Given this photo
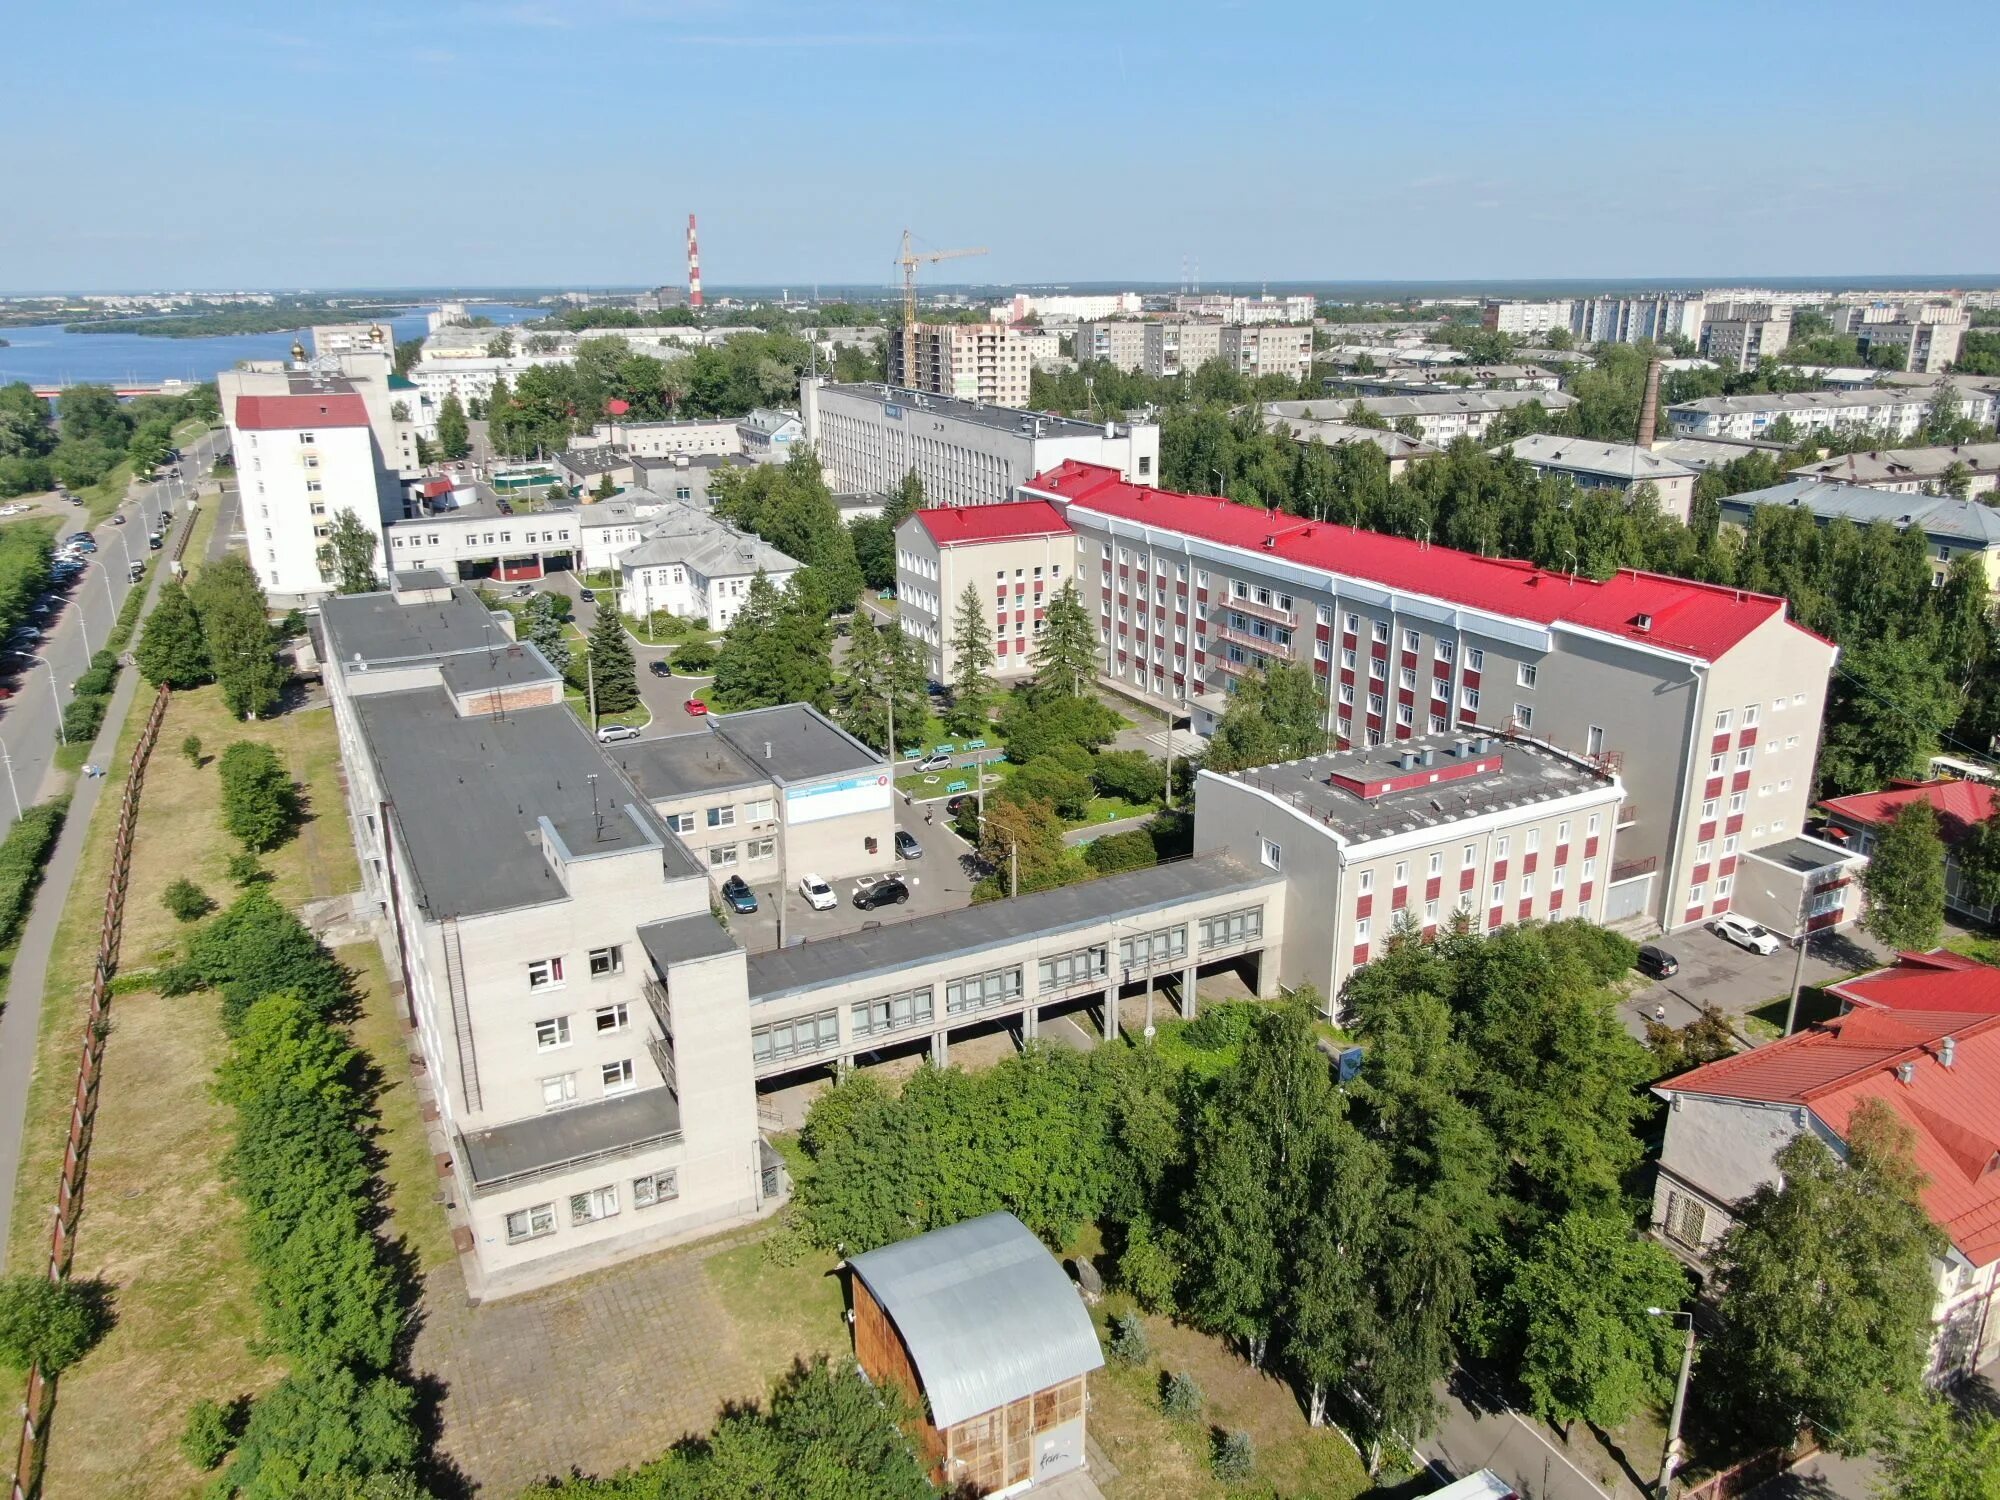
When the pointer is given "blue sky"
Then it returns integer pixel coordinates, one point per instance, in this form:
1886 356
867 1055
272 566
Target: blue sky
354 143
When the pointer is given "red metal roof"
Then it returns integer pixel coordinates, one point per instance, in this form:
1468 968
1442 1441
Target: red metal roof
432 488
955 525
1690 619
300 413
1904 1015
1959 804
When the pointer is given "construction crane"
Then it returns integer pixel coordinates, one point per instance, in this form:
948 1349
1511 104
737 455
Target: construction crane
909 260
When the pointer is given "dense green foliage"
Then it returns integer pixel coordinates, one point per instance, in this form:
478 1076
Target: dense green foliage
25 552
1826 1291
24 854
790 506
543 622
777 650
260 805
187 901
1943 1453
257 948
613 678
972 687
235 623
827 1434
172 649
883 672
1279 714
1904 879
96 434
347 556
48 1323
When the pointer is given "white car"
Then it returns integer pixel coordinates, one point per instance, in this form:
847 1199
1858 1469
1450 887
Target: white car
1745 933
819 895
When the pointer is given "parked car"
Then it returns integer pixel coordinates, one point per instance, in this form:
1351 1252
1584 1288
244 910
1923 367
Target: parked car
119 519
871 891
24 635
588 596
738 896
960 803
819 895
1745 933
696 707
612 734
1656 963
935 761
659 669
136 571
520 591
907 846
156 541
78 538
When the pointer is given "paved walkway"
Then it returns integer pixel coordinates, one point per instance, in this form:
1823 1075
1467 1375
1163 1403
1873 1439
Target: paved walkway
21 1021
1090 831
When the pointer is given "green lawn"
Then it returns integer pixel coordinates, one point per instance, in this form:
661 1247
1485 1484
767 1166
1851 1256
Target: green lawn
1975 945
1767 1021
579 704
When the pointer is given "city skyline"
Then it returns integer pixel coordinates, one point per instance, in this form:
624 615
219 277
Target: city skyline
565 143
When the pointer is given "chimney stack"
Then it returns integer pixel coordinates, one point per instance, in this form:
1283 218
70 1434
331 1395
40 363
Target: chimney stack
694 268
1649 407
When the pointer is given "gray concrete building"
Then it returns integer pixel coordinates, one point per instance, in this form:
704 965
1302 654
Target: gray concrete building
1609 466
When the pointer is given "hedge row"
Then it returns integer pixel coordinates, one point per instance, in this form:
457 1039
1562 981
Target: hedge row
84 714
24 853
332 1294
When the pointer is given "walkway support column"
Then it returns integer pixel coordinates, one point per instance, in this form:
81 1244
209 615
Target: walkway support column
941 1047
1187 996
1111 1013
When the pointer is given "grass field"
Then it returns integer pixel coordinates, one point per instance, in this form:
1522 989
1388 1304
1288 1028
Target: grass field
159 1222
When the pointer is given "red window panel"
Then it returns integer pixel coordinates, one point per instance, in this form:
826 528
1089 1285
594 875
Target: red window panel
1201 595
1467 716
1347 675
1000 646
1529 861
1740 782
1180 617
1323 632
1733 823
1364 906
1711 789
1360 953
1496 916
1405 697
1379 650
1409 659
1433 886
1556 899
1405 731
1159 643
1721 905
1718 745
1347 639
1123 571
1705 832
1726 865
1430 931
1041 614
1747 737
1020 590
1471 678
1700 875
1562 855
1441 671
1693 914
1583 892
1499 870
1399 898
1590 847
1466 877
1527 908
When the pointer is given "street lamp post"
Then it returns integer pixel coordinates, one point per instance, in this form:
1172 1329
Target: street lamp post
55 693
1671 1458
8 761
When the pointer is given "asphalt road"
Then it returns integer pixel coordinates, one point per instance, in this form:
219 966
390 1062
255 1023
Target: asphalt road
665 697
1716 972
81 621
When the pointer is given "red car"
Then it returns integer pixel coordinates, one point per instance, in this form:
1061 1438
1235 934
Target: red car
696 707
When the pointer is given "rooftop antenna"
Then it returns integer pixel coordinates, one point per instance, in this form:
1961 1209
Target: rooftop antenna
596 812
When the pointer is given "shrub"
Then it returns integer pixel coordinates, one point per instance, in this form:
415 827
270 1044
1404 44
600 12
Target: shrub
210 1432
319 1426
23 854
257 948
1146 1270
48 1323
1234 1456
259 803
1607 954
244 870
191 750
1222 1026
100 677
1129 1345
1180 1397
695 656
83 717
1131 774
1130 850
1047 779
186 900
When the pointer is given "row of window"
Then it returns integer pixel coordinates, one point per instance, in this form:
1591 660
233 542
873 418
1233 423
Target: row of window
757 810
1531 843
547 973
1724 717
592 1206
723 856
559 1090
552 1032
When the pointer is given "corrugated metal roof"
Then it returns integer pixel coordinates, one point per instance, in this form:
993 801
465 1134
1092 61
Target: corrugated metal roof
986 1312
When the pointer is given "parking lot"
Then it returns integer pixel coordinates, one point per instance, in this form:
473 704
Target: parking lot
1716 972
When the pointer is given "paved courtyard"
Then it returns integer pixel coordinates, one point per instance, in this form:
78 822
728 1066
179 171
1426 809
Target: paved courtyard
598 1373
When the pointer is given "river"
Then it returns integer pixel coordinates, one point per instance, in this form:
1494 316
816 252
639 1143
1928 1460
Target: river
44 354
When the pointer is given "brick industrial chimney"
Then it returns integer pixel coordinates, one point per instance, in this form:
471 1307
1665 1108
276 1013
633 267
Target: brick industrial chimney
694 267
1649 405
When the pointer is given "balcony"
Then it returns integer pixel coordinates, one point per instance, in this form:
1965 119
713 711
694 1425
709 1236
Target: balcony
1240 669
1250 640
662 1049
1628 814
656 1000
1251 607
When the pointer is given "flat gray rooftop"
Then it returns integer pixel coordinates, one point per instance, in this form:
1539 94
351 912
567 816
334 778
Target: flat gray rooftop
378 628
550 1142
793 743
898 946
685 765
1528 773
509 665
1000 418
416 580
1802 854
681 939
469 794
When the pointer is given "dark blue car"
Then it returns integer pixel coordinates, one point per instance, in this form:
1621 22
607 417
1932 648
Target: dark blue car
737 893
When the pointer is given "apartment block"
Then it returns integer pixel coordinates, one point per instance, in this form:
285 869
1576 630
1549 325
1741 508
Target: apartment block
1628 320
1441 418
306 450
1295 308
1407 834
1084 308
1927 335
1736 335
1707 701
1121 343
1525 320
1013 556
718 436
965 453
1255 350
1180 347
1896 411
982 362
1913 471
1952 528
1609 466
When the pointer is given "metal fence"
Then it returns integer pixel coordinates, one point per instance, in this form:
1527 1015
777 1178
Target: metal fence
40 1400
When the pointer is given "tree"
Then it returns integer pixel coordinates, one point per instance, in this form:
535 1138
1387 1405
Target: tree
257 948
1277 715
259 801
1590 1351
1132 775
905 500
1904 879
1036 726
972 687
187 901
1024 837
546 629
320 1425
861 699
48 1323
1978 860
348 555
454 436
1889 709
1942 1453
172 650
1826 1289
235 623
614 674
1066 652
605 488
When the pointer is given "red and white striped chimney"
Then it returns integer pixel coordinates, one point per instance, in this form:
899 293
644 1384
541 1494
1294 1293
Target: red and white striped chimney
694 267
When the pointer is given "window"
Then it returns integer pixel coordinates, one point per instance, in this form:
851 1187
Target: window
1380 631
1593 740
983 991
612 1017
618 1076
760 848
1729 846
800 1035
1411 640
552 1033
1523 715
1589 871
1590 828
1527 887
1500 847
598 1203
1735 803
1469 697
1744 756
1362 926
1376 703
1532 840
531 1223
1347 657
558 1091
1715 765
1402 873
1750 716
1697 894
1708 809
1499 895
1721 720
1323 615
1524 675
1405 715
721 856
1353 623
1687 1220
1149 948
1556 880
1347 693
656 1187
1470 857
891 1012
1430 912
1446 650
1437 863
1475 660
762 810
1273 855
544 973
305 438
1438 724
722 817
1367 885
604 961
1702 851
1724 885
1232 928
1078 967
1408 678
1562 833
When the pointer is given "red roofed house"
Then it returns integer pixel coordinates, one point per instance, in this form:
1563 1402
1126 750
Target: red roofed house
1959 805
1012 556
1705 700
1923 1037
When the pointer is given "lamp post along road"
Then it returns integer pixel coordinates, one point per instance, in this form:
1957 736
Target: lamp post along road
1670 1459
